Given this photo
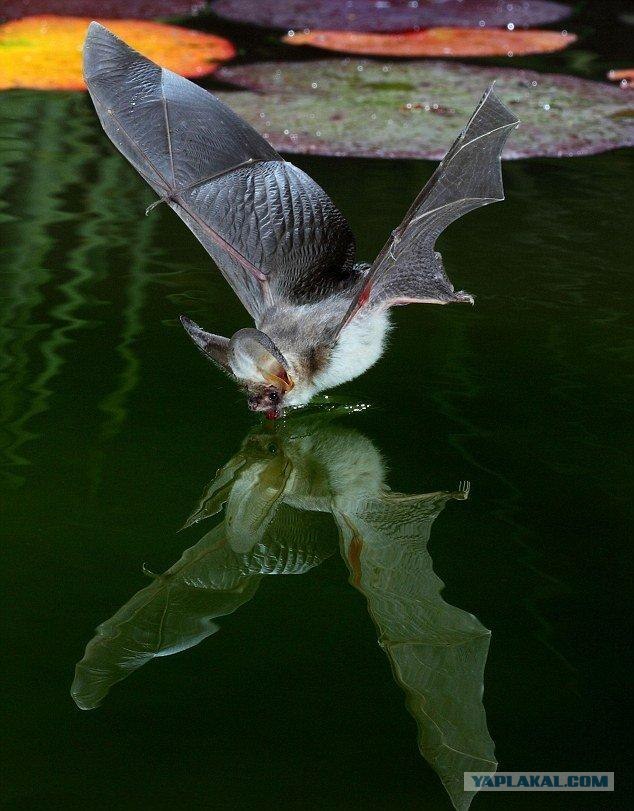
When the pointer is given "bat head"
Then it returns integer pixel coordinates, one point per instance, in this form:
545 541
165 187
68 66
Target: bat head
269 399
253 360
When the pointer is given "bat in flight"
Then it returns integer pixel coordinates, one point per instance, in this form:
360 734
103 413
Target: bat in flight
321 318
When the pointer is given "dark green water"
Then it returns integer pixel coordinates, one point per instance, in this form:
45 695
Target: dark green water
112 426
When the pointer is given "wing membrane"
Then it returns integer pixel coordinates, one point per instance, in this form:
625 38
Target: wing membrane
272 230
437 651
408 269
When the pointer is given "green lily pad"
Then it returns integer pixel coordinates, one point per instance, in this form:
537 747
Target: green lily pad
357 107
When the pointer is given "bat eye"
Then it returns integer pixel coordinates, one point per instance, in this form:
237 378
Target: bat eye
271 449
274 396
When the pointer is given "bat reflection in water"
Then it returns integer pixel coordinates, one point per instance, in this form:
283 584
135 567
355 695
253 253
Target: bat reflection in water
320 317
279 494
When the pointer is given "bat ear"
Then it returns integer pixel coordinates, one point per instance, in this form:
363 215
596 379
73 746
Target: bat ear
214 347
253 356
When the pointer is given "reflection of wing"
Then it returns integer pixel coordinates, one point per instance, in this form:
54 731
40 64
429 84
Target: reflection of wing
218 491
408 269
437 651
269 227
177 611
254 500
252 486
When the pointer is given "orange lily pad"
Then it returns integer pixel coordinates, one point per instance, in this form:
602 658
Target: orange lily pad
437 42
44 53
624 76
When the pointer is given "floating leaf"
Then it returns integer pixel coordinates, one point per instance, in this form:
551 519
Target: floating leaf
353 107
113 9
45 52
437 42
396 15
625 76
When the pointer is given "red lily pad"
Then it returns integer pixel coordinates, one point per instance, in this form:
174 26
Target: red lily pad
414 109
625 77
113 9
45 52
437 42
390 15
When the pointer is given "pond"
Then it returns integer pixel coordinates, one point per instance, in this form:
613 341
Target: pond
421 575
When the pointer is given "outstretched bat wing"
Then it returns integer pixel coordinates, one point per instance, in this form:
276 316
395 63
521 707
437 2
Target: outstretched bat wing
437 651
408 269
273 232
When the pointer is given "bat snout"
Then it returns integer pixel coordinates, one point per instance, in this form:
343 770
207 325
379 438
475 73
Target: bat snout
254 402
265 403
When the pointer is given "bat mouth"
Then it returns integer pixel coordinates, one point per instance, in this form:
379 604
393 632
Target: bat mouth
271 411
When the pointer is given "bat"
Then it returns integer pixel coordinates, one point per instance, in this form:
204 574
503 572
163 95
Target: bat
320 317
279 504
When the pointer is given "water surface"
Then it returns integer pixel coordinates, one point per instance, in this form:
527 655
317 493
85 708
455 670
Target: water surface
293 690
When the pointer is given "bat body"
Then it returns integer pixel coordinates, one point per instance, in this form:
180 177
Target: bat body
316 364
320 317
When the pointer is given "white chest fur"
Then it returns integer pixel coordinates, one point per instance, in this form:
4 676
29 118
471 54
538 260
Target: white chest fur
359 347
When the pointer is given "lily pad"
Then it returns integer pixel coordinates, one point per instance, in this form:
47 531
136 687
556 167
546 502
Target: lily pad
390 15
437 42
357 107
45 52
113 9
625 76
